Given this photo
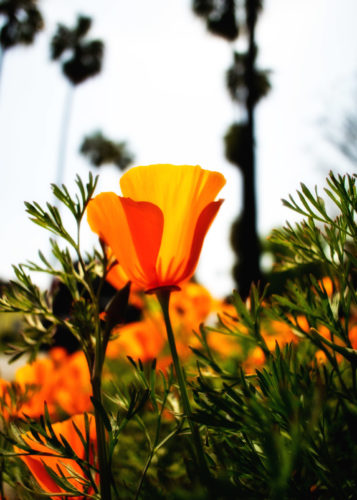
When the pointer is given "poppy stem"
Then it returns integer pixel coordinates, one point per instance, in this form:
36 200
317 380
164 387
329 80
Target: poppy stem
96 381
163 297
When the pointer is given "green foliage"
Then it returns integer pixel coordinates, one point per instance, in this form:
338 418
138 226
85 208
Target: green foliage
234 141
37 305
284 429
220 17
22 21
82 58
139 407
101 150
236 79
289 430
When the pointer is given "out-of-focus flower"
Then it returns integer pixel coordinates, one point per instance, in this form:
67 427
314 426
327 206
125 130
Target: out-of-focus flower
14 397
70 469
326 284
142 339
255 360
41 374
320 357
156 230
352 334
227 346
278 332
147 340
192 306
55 377
228 315
74 372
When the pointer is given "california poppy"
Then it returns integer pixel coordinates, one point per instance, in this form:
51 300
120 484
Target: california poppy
156 229
37 463
142 339
52 381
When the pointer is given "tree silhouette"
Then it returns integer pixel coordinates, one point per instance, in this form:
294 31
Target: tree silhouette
246 86
20 21
100 150
80 59
344 136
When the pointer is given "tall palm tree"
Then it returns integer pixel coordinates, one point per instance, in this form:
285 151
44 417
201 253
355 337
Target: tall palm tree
20 21
80 59
246 85
101 150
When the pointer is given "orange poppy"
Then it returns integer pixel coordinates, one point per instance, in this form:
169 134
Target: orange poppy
37 463
156 229
52 380
142 339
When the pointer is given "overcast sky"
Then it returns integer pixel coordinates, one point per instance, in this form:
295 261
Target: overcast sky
162 90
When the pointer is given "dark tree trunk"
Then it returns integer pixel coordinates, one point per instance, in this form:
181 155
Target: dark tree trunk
247 269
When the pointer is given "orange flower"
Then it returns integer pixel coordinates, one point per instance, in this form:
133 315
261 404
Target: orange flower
156 230
142 339
191 307
37 463
280 332
353 336
255 360
52 379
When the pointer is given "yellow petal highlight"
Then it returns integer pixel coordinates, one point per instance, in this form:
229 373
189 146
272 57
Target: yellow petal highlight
156 230
181 192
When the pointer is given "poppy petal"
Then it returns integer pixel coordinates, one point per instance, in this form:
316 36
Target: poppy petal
203 224
146 222
133 230
40 474
35 463
181 192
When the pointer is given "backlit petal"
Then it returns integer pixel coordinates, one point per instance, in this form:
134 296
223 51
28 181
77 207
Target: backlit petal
182 192
40 474
133 230
35 463
203 224
145 222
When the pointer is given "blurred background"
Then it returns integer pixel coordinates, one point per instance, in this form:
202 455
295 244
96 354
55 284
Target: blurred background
264 92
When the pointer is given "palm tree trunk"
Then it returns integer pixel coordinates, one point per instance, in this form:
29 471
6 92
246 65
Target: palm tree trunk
249 266
64 135
2 55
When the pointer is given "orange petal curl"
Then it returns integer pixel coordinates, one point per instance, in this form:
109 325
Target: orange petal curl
156 230
36 462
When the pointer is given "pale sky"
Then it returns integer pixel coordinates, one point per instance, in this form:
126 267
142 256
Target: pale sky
162 90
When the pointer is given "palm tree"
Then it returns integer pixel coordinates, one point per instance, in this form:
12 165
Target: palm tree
20 21
246 85
100 151
80 59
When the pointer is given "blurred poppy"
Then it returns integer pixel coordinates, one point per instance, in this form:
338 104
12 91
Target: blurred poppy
156 230
192 306
52 380
68 467
141 339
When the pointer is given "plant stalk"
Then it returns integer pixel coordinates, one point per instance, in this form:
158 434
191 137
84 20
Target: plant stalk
104 472
163 297
96 381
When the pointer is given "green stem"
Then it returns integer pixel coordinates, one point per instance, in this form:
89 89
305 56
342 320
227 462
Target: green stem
1 478
96 381
163 297
104 472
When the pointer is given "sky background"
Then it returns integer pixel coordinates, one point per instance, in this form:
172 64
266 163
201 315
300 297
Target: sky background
162 90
